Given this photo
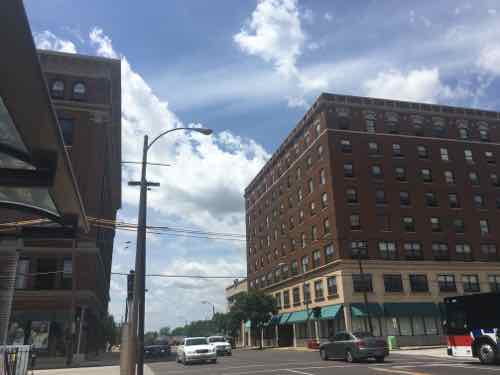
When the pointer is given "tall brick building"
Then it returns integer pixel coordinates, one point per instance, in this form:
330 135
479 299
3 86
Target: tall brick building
62 285
409 191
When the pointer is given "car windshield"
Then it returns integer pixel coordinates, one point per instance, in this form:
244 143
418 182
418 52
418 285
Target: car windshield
362 335
217 339
200 341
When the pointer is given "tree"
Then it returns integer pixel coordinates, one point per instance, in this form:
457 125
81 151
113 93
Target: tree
165 331
150 337
109 330
255 306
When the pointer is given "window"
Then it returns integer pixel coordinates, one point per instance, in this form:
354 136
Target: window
79 90
393 283
354 222
400 173
344 122
331 284
318 290
57 89
426 175
478 200
463 133
309 162
490 159
362 283
396 150
299 174
303 240
307 138
283 249
392 127
470 283
435 224
286 299
67 129
277 297
299 194
497 202
314 233
326 226
289 181
404 198
431 199
329 253
291 222
384 222
453 200
370 126
474 178
374 149
294 268
423 152
352 195
484 227
318 129
301 216
458 226
440 251
348 170
359 249
413 250
483 134
345 146
312 207
408 224
468 156
495 181
310 186
322 177
284 271
444 154
306 292
316 258
463 251
449 177
324 200
418 129
296 296
387 250
305 263
320 152
489 251
418 283
376 171
494 281
380 196
446 283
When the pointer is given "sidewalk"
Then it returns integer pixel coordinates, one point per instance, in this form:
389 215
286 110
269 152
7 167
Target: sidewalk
102 370
436 352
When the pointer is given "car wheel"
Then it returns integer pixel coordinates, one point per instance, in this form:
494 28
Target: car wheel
323 354
349 357
487 353
214 360
184 362
379 359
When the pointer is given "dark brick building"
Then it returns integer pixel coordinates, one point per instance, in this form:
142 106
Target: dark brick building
411 189
62 286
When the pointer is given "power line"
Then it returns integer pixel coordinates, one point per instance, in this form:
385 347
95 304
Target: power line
183 276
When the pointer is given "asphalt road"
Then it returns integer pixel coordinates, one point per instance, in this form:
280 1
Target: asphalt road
289 362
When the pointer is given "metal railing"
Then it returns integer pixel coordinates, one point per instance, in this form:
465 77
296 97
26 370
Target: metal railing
15 359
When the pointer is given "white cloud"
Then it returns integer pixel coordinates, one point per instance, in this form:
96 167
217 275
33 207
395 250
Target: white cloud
492 12
308 16
420 85
489 59
47 40
328 17
274 33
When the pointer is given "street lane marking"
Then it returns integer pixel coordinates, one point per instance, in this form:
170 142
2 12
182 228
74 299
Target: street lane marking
392 370
299 372
458 365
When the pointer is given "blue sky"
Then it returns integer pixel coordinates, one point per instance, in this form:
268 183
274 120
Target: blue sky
249 70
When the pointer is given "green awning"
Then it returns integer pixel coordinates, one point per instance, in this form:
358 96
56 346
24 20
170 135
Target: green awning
410 309
284 318
248 324
331 311
299 316
359 310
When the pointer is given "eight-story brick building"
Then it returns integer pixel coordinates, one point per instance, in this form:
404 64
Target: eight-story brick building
411 191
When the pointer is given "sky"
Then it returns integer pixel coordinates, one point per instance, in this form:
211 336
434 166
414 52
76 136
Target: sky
249 70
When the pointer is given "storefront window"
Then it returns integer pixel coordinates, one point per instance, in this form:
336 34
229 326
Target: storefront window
418 325
430 325
405 326
391 325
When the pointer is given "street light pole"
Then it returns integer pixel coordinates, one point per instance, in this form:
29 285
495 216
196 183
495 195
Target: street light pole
213 307
140 256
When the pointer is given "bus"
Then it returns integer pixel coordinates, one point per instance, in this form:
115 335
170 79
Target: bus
472 324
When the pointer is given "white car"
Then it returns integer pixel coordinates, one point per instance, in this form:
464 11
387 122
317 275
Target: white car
222 347
196 349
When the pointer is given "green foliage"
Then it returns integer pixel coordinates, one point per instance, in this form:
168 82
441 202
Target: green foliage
165 331
110 331
150 337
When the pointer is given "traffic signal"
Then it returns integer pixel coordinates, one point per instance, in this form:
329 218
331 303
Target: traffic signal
316 312
130 284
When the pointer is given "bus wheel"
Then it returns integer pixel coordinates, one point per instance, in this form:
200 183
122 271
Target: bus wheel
486 353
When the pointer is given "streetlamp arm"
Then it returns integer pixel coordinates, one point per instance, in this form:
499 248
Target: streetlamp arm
204 131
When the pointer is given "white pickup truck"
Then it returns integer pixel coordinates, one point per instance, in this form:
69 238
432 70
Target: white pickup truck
196 349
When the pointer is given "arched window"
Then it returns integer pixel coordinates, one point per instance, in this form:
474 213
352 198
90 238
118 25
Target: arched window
79 90
57 88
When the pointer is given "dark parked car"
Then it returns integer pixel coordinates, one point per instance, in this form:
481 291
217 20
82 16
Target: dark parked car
156 351
354 346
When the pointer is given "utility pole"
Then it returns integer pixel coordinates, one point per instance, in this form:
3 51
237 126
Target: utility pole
365 294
